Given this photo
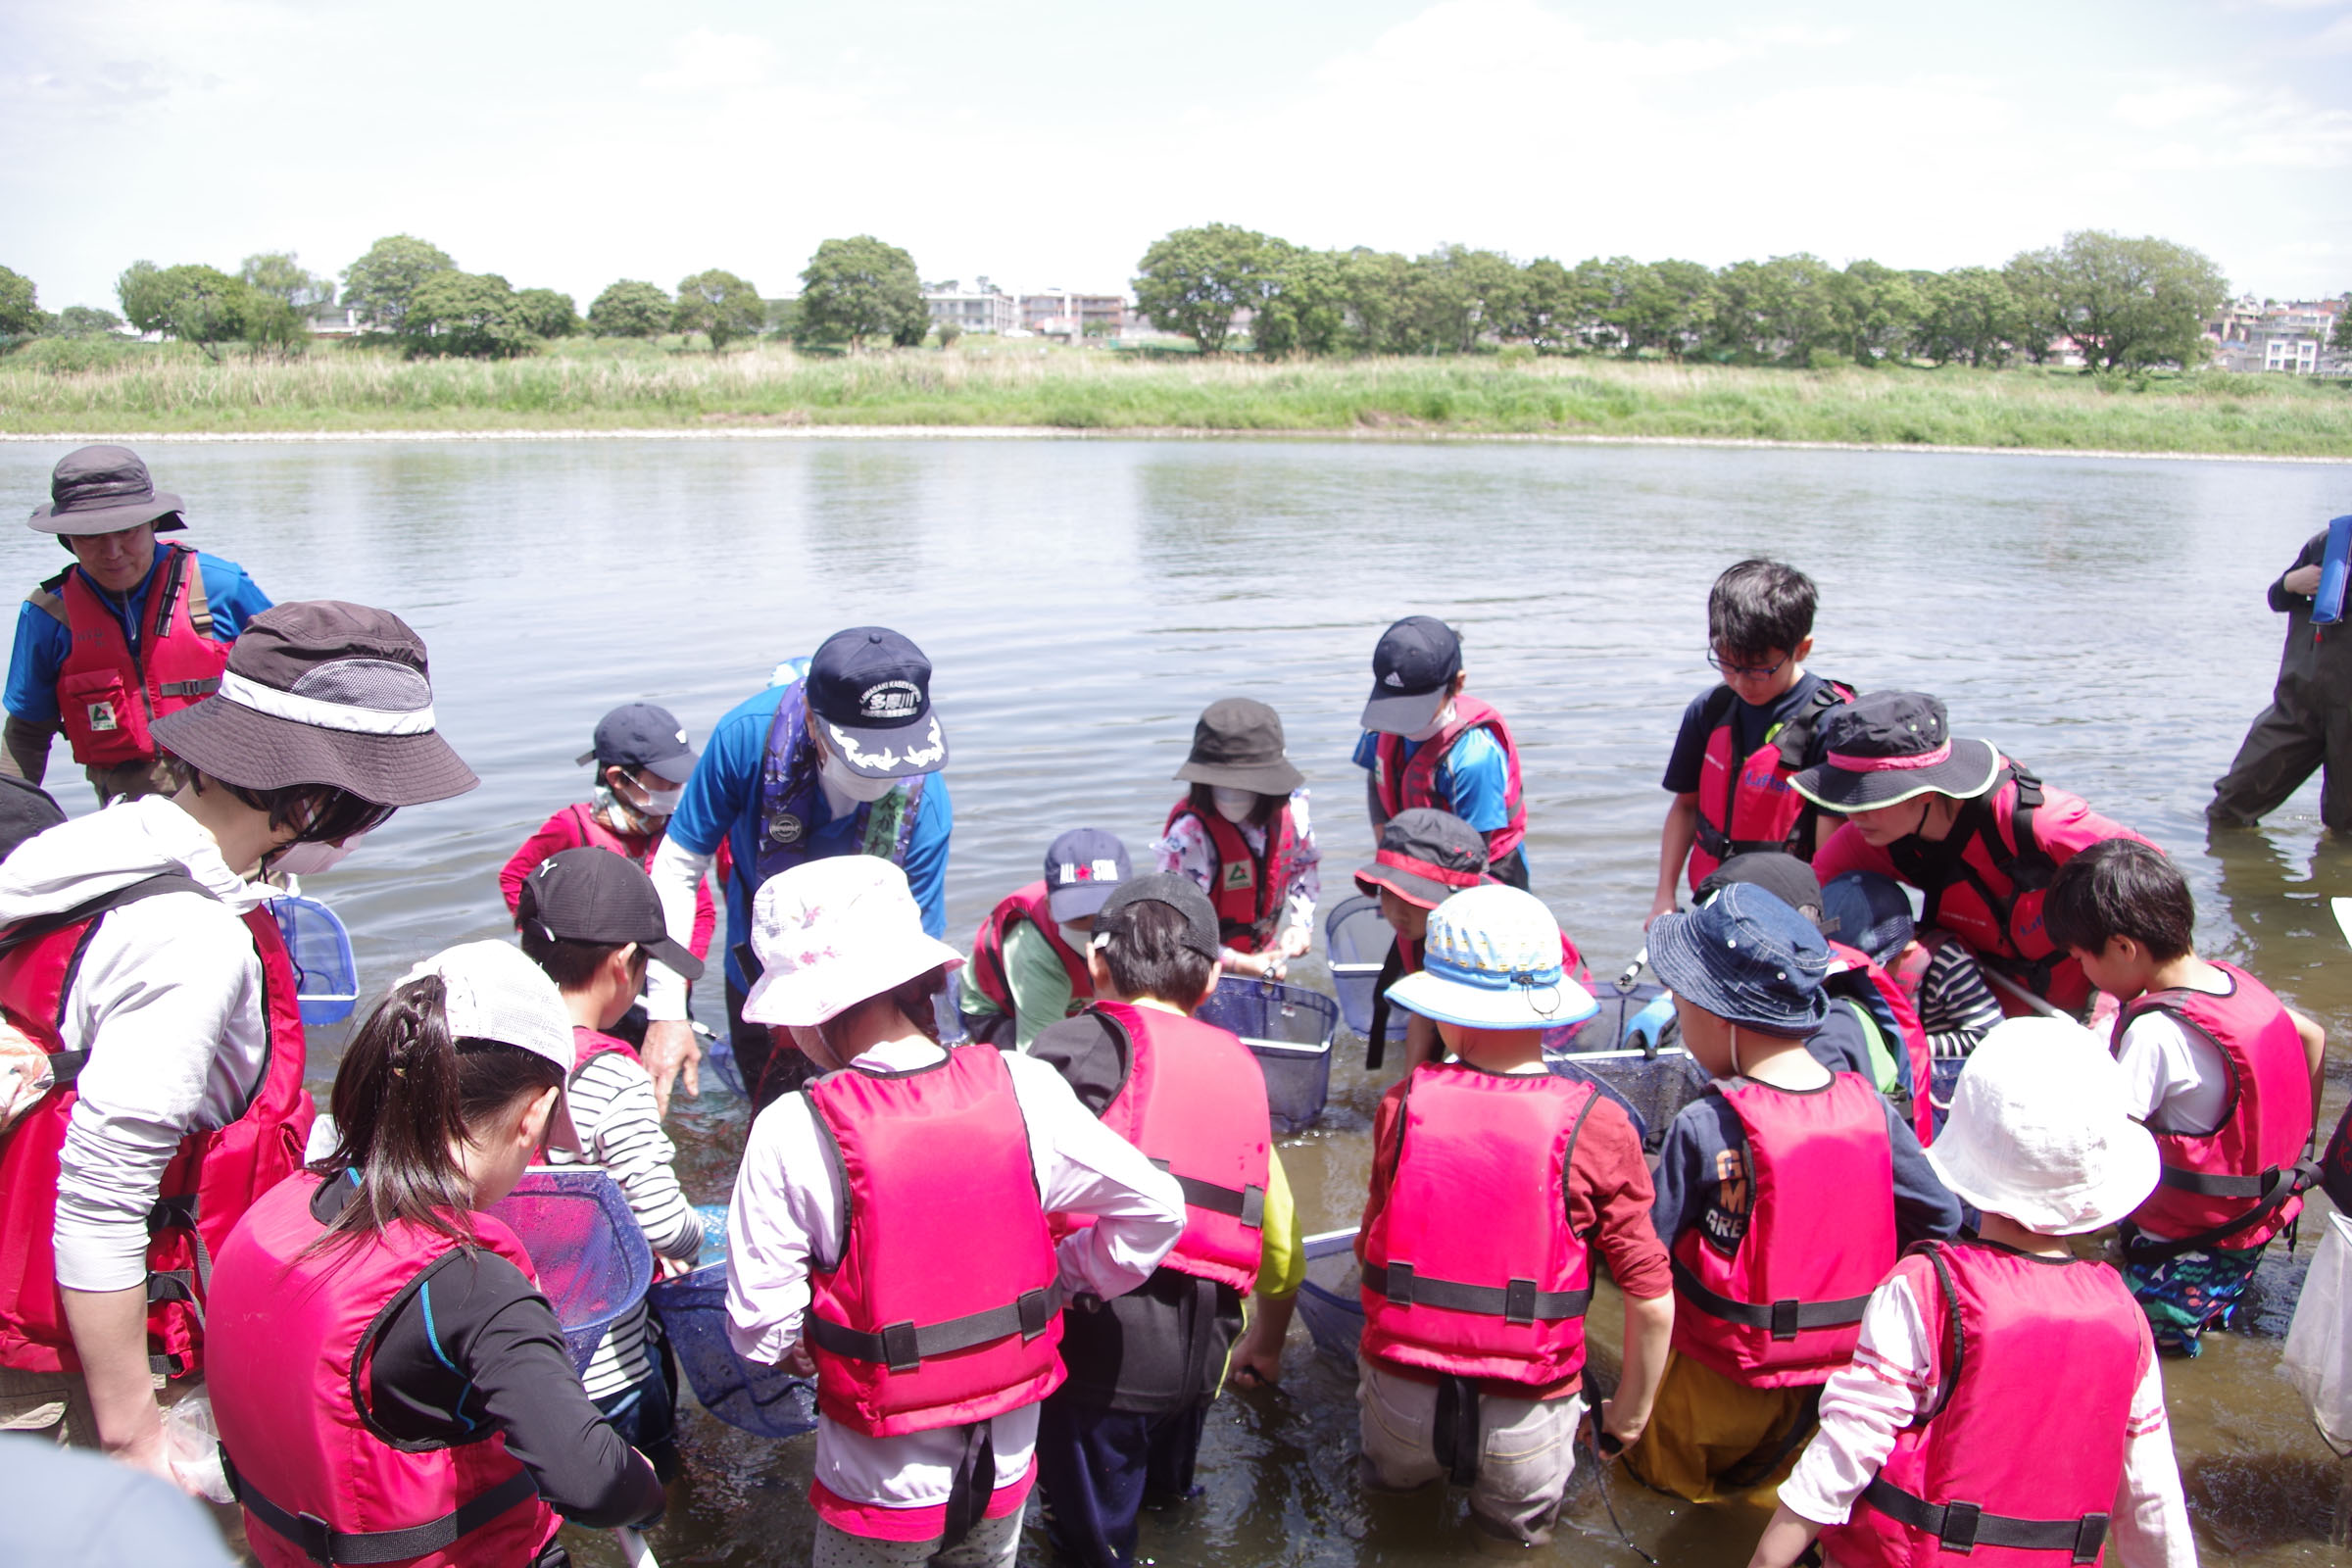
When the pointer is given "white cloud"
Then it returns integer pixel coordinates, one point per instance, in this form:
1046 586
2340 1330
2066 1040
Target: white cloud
2170 105
705 61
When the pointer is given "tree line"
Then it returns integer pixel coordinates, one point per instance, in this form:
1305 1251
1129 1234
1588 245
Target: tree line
2126 303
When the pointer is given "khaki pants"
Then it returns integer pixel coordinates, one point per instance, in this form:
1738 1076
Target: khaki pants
1527 1450
1710 1439
51 1404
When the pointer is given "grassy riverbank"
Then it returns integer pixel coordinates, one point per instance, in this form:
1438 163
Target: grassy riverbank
603 385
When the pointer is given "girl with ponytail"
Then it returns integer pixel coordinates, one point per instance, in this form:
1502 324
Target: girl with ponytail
389 1384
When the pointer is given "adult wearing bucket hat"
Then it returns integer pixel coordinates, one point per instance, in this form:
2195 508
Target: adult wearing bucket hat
843 758
126 634
2004 1392
904 1193
1241 833
140 950
1973 829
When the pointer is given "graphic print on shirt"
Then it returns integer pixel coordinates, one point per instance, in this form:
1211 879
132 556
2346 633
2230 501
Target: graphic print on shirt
1734 1195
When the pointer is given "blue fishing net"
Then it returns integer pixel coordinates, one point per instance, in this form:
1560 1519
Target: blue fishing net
1288 1028
1358 941
1652 1081
693 1315
1331 1300
327 978
592 1260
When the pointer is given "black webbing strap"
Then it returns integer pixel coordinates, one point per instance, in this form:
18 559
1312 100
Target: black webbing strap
66 1065
2207 1185
174 575
178 1212
1963 1527
2297 1178
1392 969
1519 1301
326 1546
1244 1203
901 1347
971 1483
188 688
1785 1319
129 892
1454 1435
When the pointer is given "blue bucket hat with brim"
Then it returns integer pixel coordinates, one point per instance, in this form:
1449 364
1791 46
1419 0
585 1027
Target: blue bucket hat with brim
1746 958
1492 960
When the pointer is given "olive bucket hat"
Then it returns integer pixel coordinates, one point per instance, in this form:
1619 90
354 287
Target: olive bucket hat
104 489
1237 743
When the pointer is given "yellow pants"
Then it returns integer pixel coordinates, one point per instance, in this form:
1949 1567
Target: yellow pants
1710 1439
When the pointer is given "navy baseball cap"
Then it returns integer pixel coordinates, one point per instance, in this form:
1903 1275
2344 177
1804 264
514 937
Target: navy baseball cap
1747 957
871 690
1083 869
1867 910
641 735
1415 662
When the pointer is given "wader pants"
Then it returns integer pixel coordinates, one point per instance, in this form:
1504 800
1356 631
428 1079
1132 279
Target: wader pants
2307 728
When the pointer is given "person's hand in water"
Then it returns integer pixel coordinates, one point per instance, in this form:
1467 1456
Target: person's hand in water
670 1052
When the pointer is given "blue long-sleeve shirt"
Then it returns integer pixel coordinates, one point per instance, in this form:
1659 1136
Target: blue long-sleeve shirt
42 640
723 802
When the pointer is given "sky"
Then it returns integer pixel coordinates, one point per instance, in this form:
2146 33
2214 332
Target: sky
1048 145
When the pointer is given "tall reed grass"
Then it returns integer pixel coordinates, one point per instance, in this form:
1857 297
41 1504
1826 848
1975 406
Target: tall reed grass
597 386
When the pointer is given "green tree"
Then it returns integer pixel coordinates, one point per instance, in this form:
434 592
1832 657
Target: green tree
467 314
2127 302
545 313
140 290
1661 305
380 283
948 332
195 304
1968 316
2343 325
1556 304
1195 281
87 320
1775 311
1873 311
20 315
722 307
1377 286
1458 296
1305 309
281 276
629 308
860 291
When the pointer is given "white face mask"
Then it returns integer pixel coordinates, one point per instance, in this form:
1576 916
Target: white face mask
309 859
1233 805
847 782
659 803
1079 941
1435 724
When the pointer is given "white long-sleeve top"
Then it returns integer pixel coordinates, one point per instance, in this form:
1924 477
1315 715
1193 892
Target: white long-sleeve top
167 1001
787 1215
676 872
1892 1378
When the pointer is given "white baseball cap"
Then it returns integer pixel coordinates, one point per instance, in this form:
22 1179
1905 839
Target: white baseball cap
831 933
495 993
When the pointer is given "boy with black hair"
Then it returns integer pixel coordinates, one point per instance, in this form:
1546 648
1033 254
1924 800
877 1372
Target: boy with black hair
1125 1429
592 920
1427 743
2225 1074
1740 740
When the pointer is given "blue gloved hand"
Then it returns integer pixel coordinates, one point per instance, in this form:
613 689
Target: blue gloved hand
1645 1029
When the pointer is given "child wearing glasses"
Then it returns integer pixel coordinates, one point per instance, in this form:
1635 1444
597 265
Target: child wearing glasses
1740 740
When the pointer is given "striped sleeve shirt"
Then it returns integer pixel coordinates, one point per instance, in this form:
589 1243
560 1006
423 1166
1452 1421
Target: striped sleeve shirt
1955 1003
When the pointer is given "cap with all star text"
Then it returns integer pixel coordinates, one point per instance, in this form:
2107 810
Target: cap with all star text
871 690
1415 663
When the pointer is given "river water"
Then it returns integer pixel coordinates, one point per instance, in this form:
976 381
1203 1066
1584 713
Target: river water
1082 601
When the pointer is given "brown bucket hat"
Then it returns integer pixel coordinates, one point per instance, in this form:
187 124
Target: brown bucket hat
323 693
1237 743
104 489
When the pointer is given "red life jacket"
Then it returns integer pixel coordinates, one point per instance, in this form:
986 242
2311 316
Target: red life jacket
293 1335
1910 970
1744 803
1984 883
580 819
1504 1296
2238 1184
211 1179
944 1307
1249 887
589 1044
987 969
1402 784
1194 1102
1785 1309
108 695
1866 981
1997 1468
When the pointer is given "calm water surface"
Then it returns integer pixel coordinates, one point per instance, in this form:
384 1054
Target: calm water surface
1083 601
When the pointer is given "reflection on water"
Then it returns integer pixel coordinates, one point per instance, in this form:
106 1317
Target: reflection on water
2103 621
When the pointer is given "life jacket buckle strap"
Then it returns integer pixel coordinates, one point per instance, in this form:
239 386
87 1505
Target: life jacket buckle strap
317 1539
1398 1285
1785 1316
900 1349
2090 1537
1036 1308
1253 1207
1958 1530
1519 1301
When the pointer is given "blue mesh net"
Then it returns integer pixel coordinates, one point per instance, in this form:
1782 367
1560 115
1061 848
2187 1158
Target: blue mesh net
1331 1299
1287 1029
1359 940
719 1061
591 1258
693 1315
327 978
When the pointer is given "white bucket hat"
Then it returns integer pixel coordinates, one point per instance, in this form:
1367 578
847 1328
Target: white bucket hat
1493 961
495 993
2039 1132
831 933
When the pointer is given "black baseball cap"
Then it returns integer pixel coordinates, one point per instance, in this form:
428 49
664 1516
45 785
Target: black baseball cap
1776 872
871 690
1426 857
1083 869
1415 662
593 894
1179 893
641 735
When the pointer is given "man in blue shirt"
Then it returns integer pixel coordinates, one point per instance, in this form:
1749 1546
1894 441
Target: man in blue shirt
840 761
129 632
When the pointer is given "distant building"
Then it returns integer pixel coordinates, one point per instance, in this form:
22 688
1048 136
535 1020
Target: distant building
983 307
335 321
2290 336
1062 313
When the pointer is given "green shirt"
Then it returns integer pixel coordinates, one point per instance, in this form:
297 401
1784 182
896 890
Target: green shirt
1040 986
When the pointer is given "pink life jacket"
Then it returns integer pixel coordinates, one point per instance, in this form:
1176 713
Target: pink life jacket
1471 1269
589 1044
1997 1469
944 1307
1402 784
1194 1102
108 695
2239 1183
1249 888
1892 1009
580 821
1785 1309
987 970
1744 803
293 1335
1910 970
212 1180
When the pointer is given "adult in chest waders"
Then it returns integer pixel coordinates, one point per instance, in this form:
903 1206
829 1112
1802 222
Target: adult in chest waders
844 760
131 632
2308 726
